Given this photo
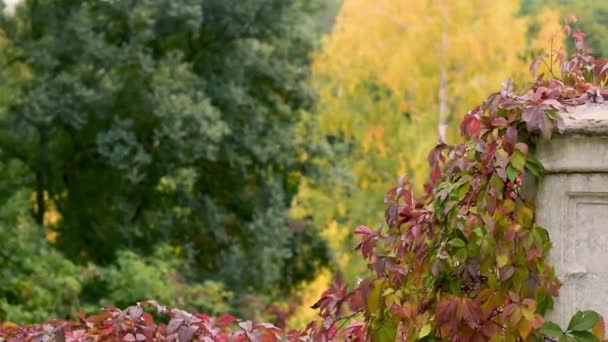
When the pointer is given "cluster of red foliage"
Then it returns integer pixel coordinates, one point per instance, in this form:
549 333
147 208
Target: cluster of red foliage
465 261
136 324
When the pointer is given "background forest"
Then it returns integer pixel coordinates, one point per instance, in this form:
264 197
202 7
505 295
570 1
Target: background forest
215 155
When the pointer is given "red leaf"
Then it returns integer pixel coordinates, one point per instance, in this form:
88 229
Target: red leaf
471 313
405 311
536 63
554 104
509 309
173 325
579 39
203 317
186 333
445 310
510 139
533 253
436 156
470 126
225 320
135 312
506 272
363 230
354 332
499 122
246 325
435 175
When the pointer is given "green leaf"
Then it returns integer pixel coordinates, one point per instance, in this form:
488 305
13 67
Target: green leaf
584 336
544 302
388 291
460 255
511 172
386 333
537 338
519 278
454 286
534 166
583 321
518 160
541 236
551 329
426 329
567 338
456 242
497 183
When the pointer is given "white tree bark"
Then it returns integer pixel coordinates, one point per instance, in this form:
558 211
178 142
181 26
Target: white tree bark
442 125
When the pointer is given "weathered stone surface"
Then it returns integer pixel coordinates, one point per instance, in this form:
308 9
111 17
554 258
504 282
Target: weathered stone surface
574 209
572 203
589 119
574 154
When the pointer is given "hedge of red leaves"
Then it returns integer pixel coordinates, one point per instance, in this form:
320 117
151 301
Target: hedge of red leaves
464 261
136 324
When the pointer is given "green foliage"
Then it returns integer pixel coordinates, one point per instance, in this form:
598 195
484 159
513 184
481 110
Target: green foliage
151 123
37 281
134 279
40 283
579 328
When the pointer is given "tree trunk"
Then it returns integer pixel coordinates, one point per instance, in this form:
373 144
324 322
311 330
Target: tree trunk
41 171
442 124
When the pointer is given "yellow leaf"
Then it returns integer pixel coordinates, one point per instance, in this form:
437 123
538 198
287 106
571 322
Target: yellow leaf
425 331
374 298
525 216
528 314
509 205
502 259
524 328
515 317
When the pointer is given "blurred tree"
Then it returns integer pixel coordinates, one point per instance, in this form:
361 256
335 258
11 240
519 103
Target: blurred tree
387 74
592 19
329 14
37 281
151 121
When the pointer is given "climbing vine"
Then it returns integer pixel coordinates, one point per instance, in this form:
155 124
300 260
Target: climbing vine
466 260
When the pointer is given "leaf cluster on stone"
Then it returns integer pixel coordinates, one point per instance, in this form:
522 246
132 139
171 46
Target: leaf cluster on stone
466 260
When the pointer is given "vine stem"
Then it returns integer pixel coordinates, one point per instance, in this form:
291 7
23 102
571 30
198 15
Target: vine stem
345 320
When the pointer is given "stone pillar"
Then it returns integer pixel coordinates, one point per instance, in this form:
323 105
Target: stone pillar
572 204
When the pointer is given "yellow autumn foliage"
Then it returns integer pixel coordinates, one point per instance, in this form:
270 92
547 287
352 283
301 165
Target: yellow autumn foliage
378 79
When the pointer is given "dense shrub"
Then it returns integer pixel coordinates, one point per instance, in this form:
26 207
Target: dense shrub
135 324
36 282
135 278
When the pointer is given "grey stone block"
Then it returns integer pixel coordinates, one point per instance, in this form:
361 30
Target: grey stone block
572 204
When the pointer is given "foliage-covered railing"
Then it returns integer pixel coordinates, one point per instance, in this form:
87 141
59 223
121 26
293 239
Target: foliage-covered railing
464 261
